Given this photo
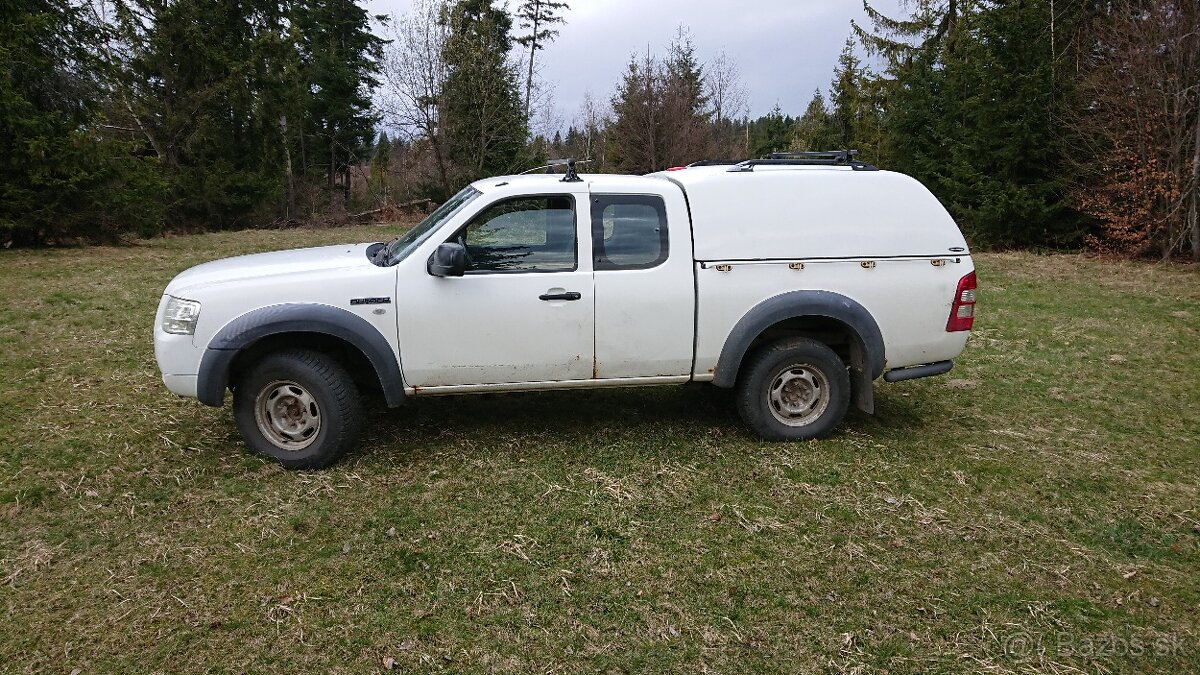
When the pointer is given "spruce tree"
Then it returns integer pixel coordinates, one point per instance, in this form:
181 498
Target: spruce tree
485 127
970 104
340 58
63 172
539 18
773 131
685 104
816 129
381 158
635 136
195 88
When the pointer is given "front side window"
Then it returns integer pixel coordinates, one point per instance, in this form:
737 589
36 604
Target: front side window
526 234
629 232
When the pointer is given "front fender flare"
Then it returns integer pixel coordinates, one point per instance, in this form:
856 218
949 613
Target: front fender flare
245 330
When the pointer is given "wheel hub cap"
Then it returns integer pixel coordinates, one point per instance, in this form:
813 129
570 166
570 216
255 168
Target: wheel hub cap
798 395
287 415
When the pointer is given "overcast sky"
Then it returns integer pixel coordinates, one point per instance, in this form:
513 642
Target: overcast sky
785 48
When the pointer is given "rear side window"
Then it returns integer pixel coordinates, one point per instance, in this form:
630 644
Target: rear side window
629 232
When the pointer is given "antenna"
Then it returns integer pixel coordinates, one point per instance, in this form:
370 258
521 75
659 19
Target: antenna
571 177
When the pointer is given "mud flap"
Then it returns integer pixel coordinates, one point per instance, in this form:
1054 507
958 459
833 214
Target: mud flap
861 385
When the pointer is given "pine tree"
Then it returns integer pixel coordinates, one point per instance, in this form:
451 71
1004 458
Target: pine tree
538 17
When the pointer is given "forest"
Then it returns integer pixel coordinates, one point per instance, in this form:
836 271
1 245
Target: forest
1040 124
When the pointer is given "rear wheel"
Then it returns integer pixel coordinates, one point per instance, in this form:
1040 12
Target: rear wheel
793 389
298 407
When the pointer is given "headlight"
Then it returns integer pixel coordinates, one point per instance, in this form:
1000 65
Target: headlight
180 316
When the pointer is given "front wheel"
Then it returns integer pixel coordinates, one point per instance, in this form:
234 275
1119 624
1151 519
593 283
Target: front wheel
299 408
793 389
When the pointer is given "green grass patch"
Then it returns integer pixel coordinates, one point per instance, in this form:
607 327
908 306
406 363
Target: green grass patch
1034 510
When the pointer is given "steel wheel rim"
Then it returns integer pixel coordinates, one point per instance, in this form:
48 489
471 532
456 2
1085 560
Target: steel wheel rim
798 395
287 415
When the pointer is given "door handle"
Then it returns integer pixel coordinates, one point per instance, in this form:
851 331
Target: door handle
569 295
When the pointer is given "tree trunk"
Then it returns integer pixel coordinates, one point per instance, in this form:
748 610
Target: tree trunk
1194 224
1194 216
336 206
443 175
289 180
331 174
537 10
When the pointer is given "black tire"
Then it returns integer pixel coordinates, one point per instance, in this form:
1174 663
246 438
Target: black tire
273 407
793 390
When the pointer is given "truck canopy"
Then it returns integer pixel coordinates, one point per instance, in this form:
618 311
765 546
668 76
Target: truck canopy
806 212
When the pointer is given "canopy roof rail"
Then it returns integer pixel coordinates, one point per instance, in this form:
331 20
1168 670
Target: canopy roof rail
821 158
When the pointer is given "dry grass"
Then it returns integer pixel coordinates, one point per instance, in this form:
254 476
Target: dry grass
1034 511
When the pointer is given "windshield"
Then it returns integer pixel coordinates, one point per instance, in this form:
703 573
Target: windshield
401 246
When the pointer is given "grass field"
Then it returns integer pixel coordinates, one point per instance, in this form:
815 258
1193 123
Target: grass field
1035 510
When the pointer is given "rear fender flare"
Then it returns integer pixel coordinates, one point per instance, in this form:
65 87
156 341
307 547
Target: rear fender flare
867 362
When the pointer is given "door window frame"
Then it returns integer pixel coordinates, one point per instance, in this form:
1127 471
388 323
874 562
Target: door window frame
459 235
600 261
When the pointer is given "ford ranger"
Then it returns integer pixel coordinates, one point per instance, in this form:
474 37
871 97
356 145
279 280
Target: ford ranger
796 281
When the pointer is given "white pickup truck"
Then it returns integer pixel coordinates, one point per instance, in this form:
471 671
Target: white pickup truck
797 280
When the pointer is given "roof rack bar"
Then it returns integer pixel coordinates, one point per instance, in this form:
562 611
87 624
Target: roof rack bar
845 156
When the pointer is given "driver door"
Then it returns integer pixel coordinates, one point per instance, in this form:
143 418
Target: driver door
523 311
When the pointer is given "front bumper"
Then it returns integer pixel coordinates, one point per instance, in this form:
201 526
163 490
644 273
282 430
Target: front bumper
178 359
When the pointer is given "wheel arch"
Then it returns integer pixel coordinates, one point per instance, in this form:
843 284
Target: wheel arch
345 336
832 318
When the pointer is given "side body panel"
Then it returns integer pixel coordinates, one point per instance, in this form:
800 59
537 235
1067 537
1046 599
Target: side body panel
244 331
226 296
493 328
909 298
645 317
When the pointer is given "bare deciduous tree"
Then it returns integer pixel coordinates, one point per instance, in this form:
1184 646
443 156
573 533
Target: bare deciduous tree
729 102
1141 115
592 121
414 78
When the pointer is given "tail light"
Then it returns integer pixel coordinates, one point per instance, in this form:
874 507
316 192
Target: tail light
962 311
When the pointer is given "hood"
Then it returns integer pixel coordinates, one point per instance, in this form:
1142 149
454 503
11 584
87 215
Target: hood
275 264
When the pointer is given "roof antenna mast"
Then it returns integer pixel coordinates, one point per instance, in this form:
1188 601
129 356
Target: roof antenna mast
572 176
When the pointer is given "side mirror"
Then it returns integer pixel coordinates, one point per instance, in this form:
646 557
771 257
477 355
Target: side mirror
448 260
